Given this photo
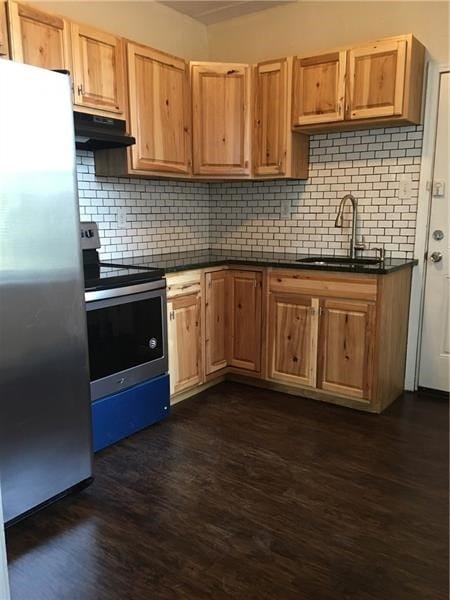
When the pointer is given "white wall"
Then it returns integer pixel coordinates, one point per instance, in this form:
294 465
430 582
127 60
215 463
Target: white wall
306 26
302 26
150 23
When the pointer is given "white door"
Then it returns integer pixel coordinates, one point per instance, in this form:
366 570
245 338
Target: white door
435 350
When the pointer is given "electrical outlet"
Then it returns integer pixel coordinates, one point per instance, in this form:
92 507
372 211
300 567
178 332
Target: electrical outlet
285 212
122 214
404 187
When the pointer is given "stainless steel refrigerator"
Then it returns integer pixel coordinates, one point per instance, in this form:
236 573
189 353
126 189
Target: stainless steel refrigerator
45 427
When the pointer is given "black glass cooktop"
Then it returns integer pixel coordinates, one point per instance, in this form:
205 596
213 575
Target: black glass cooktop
103 276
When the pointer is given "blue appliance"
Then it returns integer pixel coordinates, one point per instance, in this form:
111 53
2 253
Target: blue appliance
117 416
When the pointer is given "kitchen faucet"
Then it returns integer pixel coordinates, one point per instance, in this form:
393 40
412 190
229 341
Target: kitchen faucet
339 222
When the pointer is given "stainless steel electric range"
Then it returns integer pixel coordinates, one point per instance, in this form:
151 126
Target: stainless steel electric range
127 338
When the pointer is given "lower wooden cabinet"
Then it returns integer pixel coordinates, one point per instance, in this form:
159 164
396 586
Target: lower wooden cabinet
233 320
339 337
185 342
292 337
215 321
245 320
323 342
336 337
346 348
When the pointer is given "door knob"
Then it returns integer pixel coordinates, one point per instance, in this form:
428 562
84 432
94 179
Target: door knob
436 257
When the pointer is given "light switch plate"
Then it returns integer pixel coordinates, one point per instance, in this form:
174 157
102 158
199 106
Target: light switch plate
122 214
439 188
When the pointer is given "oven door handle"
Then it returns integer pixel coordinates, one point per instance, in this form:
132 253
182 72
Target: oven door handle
127 290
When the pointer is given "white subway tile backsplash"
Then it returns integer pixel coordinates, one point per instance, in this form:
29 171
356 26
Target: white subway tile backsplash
161 216
364 163
168 216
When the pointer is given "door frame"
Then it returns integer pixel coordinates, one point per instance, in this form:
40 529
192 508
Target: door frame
433 75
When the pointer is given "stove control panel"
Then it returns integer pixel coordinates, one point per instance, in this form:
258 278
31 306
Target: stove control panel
90 239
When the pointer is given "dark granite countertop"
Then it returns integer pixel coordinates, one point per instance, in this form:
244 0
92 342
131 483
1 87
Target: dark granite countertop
183 261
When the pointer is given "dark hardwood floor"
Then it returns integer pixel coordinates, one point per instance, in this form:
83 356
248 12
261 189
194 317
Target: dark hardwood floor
250 494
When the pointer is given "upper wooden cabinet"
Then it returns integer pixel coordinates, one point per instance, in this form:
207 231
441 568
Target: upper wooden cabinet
221 119
159 111
38 38
374 85
98 70
245 320
94 58
4 42
319 88
277 151
376 80
218 120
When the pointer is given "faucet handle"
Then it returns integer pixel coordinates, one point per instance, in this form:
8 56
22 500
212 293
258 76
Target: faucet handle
360 245
381 253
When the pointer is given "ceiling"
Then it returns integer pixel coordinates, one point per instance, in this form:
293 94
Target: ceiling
213 11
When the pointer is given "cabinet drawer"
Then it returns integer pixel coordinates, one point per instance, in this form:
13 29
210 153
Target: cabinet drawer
331 285
180 284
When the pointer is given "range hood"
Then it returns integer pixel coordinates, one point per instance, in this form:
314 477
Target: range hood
99 133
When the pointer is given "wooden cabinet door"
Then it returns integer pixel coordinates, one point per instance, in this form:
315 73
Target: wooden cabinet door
38 38
185 347
98 69
319 88
245 320
215 321
292 338
271 116
4 43
221 120
159 111
376 80
346 348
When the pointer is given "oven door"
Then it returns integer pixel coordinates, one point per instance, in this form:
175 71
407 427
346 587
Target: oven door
127 336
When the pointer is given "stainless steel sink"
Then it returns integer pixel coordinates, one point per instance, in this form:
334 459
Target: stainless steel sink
338 260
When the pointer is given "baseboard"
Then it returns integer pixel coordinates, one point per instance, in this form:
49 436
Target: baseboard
432 393
195 390
310 393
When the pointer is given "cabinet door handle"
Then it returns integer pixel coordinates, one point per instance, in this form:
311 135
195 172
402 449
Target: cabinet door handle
80 90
